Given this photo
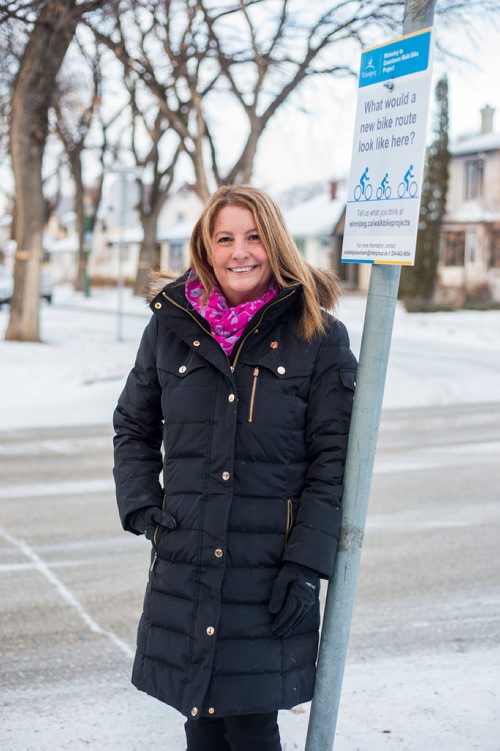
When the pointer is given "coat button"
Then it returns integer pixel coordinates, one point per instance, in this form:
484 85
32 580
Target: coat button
281 370
194 711
218 552
182 369
157 305
210 631
211 710
226 475
196 343
231 398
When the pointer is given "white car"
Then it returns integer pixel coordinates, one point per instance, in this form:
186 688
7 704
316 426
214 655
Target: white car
7 285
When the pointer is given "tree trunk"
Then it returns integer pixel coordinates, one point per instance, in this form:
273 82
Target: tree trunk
243 169
31 97
149 256
76 173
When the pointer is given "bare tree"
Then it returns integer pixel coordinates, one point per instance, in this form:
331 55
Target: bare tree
73 119
201 59
51 33
155 180
154 145
263 50
78 109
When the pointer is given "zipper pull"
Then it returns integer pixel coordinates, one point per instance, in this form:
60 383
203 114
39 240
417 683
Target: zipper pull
289 518
256 372
153 562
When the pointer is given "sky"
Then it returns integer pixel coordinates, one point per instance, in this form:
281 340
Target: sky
316 143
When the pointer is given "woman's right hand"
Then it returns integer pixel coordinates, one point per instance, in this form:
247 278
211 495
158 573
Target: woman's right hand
147 519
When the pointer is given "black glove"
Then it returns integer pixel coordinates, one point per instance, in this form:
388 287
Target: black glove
294 592
146 519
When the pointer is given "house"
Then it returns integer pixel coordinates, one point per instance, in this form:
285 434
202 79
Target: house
115 245
314 214
469 263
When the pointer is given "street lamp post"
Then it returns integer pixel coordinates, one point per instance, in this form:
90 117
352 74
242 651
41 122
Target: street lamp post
123 173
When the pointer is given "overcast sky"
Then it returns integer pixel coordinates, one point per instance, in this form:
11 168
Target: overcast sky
299 146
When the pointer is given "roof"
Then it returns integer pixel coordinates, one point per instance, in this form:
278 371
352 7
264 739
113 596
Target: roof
474 144
472 212
317 216
60 245
180 232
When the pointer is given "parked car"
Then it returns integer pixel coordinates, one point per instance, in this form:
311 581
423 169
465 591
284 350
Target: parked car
46 285
7 285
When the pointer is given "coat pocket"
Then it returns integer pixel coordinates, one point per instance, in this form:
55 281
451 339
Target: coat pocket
289 518
348 379
168 523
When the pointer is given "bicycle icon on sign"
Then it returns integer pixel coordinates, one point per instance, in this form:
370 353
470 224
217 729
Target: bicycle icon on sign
405 187
384 189
363 188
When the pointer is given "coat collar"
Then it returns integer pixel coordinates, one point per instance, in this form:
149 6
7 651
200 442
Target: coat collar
170 304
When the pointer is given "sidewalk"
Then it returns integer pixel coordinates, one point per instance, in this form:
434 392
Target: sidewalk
440 702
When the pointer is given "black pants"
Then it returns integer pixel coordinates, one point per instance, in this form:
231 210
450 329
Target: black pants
248 732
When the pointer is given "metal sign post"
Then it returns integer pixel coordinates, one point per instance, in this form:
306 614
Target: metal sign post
374 355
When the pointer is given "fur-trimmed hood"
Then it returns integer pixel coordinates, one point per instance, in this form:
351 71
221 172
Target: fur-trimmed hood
158 281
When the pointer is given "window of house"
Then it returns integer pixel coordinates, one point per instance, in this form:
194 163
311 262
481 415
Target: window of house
474 169
470 248
494 261
176 260
453 248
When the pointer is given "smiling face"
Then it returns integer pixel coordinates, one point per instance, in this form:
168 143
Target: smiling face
238 257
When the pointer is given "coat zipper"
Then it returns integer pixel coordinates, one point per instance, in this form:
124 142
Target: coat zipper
233 366
154 561
252 396
289 518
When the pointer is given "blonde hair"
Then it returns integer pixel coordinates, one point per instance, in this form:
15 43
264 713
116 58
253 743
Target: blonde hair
321 288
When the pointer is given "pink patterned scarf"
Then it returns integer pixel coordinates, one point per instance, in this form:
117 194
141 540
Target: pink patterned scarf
226 324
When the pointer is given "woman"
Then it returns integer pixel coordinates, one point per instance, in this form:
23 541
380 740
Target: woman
248 384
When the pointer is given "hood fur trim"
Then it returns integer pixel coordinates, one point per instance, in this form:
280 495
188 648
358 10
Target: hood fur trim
158 280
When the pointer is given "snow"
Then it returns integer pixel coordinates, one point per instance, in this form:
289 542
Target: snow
472 212
380 710
76 374
317 216
479 142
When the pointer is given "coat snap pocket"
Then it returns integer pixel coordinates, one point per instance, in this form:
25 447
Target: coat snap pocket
348 379
181 368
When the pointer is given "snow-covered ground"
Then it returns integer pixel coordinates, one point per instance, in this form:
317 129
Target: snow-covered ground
434 701
406 704
75 376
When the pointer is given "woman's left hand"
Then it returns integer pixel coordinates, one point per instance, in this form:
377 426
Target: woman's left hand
294 592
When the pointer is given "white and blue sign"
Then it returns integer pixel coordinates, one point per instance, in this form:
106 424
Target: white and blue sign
403 57
389 151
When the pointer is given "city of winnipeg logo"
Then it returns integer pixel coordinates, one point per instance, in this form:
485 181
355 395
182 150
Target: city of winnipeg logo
369 69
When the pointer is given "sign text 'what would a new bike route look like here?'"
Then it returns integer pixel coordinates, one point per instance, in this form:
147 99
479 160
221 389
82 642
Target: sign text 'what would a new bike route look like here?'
388 151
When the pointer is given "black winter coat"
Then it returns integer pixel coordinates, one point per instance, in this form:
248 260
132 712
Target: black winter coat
254 451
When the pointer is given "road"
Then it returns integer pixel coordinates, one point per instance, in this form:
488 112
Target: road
71 582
